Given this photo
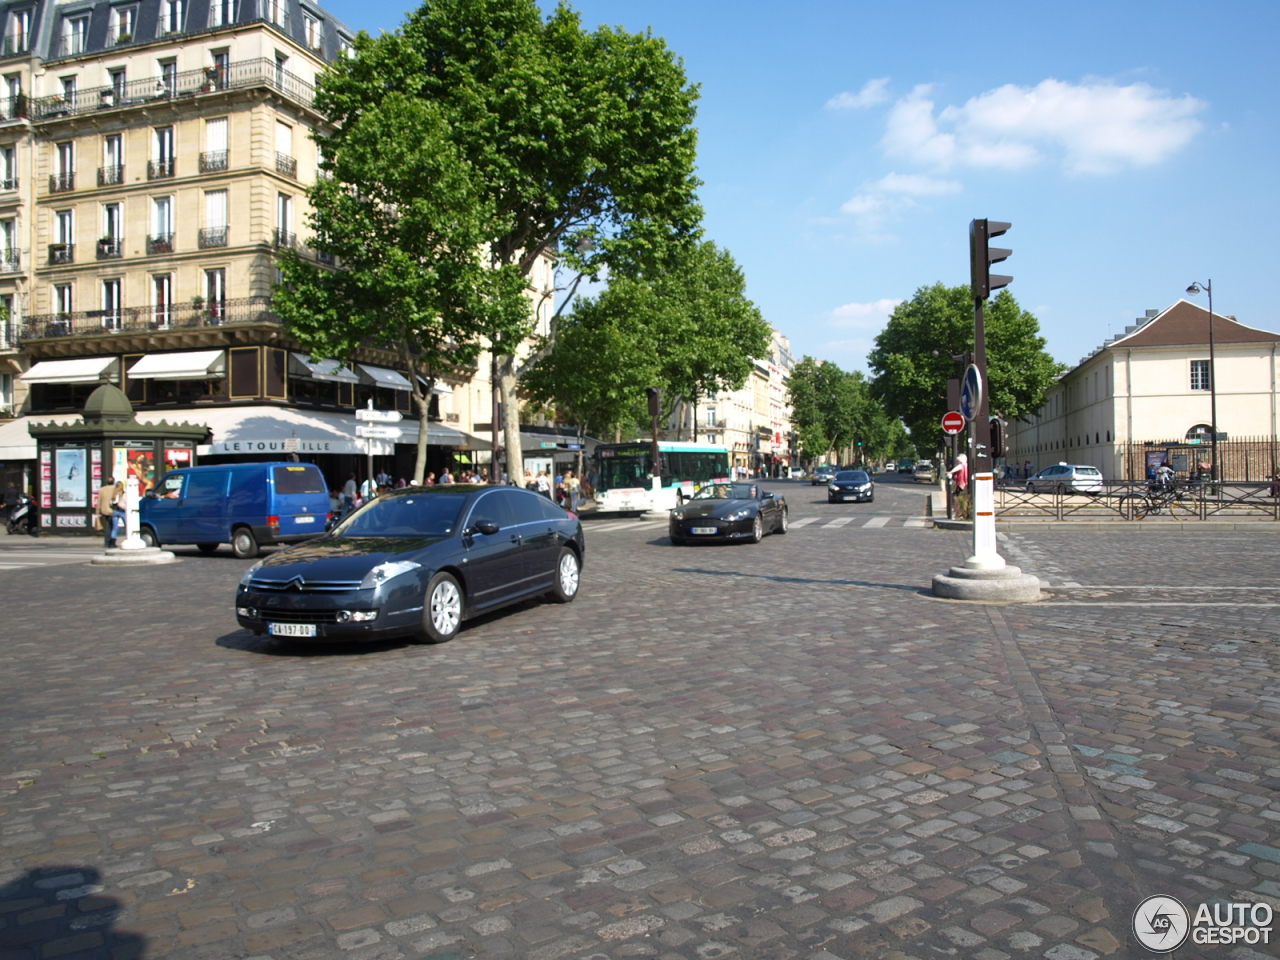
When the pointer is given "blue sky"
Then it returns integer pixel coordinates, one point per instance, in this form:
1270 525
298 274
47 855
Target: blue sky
845 147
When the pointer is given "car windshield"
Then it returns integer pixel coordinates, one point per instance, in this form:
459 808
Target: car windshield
412 515
727 491
852 476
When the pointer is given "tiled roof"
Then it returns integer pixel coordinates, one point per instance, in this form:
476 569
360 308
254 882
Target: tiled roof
1187 324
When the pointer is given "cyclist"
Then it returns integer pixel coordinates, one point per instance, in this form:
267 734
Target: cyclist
1163 478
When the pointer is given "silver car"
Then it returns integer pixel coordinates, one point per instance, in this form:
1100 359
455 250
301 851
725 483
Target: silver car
1066 478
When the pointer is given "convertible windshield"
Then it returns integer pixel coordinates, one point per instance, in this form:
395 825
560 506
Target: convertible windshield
413 515
728 491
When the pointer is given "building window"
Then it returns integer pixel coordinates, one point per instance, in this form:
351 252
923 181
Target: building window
167 85
111 172
1200 375
1201 432
69 91
345 49
124 21
284 220
711 416
8 168
221 67
161 239
64 177
285 162
18 39
214 157
276 12
63 249
8 246
75 34
62 298
215 294
214 231
109 245
111 304
174 13
312 31
162 164
221 12
162 287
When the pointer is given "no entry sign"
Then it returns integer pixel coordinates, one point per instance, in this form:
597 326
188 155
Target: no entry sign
952 423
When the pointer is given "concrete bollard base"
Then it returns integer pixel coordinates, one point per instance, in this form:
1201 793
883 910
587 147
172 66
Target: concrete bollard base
1006 585
118 557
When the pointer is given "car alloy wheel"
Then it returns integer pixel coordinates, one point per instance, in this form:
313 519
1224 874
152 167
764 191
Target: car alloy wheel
443 614
243 543
568 576
757 530
782 521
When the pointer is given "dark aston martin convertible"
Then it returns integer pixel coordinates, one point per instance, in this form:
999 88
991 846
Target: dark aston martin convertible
729 511
416 562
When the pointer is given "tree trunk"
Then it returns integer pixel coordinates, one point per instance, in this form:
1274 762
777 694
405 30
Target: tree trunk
422 400
511 419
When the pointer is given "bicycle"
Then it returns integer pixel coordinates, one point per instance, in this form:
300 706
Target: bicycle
1156 500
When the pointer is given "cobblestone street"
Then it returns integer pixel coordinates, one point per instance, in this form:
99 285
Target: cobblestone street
788 750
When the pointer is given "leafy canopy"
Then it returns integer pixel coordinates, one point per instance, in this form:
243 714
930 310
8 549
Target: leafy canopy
912 358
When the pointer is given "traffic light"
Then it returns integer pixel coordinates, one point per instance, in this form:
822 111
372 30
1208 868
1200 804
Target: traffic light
997 437
981 280
655 401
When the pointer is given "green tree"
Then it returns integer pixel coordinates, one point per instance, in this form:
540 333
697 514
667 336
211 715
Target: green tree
583 141
683 324
912 358
833 409
404 214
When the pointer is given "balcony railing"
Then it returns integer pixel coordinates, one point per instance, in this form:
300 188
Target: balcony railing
160 243
159 169
10 261
16 45
244 74
111 249
283 238
213 160
212 237
14 108
248 310
62 182
9 184
72 46
287 165
110 176
62 253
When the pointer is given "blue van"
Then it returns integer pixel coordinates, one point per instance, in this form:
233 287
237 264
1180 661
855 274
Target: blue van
243 504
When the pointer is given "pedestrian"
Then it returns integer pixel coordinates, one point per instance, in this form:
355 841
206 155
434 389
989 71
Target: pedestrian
529 482
349 488
105 494
383 478
430 480
367 489
446 476
573 489
118 525
543 484
1026 470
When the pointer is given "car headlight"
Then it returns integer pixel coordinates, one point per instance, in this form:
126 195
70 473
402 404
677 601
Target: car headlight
677 514
832 487
738 515
386 571
865 486
248 574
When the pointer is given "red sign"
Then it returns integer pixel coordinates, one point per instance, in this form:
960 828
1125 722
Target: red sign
952 423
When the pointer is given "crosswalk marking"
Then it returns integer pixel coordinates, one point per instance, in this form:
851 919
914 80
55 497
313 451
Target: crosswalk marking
804 521
856 521
916 522
839 522
31 554
876 522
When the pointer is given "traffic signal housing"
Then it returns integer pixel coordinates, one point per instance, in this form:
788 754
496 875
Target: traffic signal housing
997 437
981 255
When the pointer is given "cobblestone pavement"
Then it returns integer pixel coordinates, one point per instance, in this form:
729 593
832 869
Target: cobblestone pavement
772 751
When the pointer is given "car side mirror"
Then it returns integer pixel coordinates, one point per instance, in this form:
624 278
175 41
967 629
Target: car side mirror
487 527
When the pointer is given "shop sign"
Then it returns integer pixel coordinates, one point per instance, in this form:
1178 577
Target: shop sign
281 446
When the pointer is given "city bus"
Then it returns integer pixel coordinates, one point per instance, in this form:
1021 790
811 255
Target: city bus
624 473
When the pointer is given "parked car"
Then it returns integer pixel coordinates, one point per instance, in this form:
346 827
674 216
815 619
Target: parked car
923 471
822 474
1066 478
243 504
416 562
855 485
906 466
728 511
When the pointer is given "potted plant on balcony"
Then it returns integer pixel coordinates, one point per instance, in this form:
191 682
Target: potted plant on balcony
210 80
108 97
125 37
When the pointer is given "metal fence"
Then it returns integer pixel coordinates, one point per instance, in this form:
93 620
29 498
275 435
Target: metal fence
1241 458
1132 500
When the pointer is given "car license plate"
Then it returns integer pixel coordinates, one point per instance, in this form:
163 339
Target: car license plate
304 519
703 530
291 629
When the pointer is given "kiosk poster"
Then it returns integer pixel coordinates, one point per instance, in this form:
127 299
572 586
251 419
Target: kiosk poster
46 480
132 462
71 484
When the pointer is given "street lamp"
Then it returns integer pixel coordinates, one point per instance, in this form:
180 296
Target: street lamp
1192 290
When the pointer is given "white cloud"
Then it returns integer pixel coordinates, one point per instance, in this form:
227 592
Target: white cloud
893 193
1094 127
872 93
864 316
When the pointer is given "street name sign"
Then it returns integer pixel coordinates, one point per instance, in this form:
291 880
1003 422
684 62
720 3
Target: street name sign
379 416
378 432
952 423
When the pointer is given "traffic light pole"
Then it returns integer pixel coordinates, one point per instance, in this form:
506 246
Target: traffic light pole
985 555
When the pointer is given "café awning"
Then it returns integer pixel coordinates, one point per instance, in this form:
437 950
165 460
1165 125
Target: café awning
79 370
196 365
383 377
331 371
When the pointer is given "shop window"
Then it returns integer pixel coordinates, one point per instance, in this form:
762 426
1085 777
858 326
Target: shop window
244 372
277 377
346 395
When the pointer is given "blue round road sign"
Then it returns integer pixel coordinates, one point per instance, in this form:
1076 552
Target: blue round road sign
971 393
